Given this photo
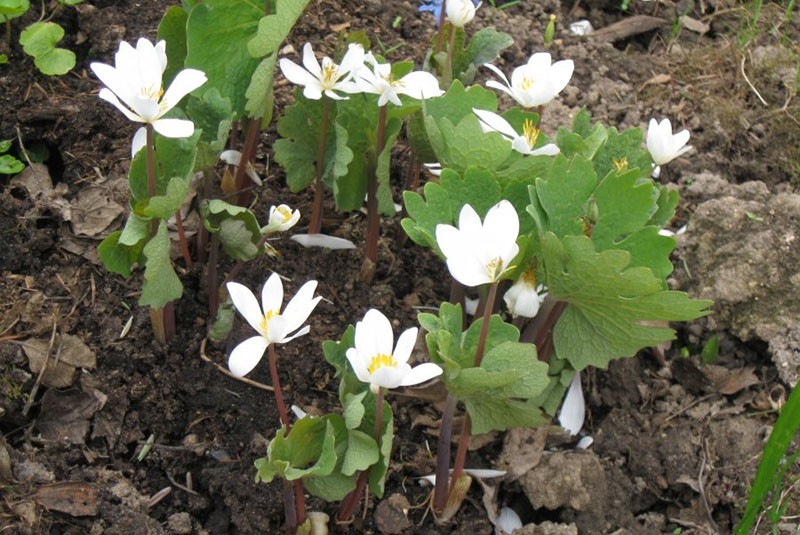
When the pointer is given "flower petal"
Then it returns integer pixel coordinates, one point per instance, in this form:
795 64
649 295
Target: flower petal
246 355
301 305
149 66
139 141
296 74
561 73
405 345
108 96
421 373
492 122
272 294
174 128
310 61
419 85
184 83
550 149
359 364
502 76
247 304
376 335
573 410
113 79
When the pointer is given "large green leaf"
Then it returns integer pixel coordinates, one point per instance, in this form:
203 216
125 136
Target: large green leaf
39 40
172 30
610 303
237 227
307 451
273 29
217 35
175 157
161 283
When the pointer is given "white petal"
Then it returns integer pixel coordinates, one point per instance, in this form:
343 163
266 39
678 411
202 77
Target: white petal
468 220
502 76
389 376
421 373
352 60
501 225
584 443
550 149
246 355
561 73
419 85
161 52
312 91
272 294
296 74
184 83
495 123
108 96
468 271
231 157
507 521
405 345
359 364
149 66
297 334
573 410
310 61
376 335
301 305
139 141
174 128
448 238
246 303
484 473
322 240
113 79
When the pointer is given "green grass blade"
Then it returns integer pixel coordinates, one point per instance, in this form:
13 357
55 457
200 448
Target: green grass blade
779 441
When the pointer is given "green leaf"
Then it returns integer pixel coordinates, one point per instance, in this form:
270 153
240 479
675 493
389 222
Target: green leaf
10 165
273 29
465 144
377 472
260 93
354 410
331 488
559 199
116 257
223 323
172 29
484 47
770 467
5 145
11 9
237 226
610 303
217 35
3 57
296 151
362 452
161 283
307 451
175 157
489 414
336 352
39 40
211 115
136 231
165 206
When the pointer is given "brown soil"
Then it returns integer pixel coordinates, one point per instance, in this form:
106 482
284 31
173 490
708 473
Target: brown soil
676 451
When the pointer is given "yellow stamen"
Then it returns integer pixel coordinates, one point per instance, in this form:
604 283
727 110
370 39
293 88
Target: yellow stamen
285 214
379 361
268 315
620 165
529 277
530 132
527 83
495 268
330 75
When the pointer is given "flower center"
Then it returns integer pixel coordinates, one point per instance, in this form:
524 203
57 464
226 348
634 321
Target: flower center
268 316
530 132
330 74
527 83
285 214
379 361
495 268
529 277
152 93
620 165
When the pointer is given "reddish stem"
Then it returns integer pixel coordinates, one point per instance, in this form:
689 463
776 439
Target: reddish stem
248 152
187 258
276 385
442 16
373 222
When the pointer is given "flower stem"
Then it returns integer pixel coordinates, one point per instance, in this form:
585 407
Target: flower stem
213 290
442 16
352 500
487 316
441 490
373 222
248 151
319 186
289 507
187 257
276 384
466 428
451 45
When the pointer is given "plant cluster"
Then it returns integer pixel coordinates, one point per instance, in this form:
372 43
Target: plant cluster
569 230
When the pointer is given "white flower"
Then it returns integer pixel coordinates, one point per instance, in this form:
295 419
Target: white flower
373 360
523 298
282 218
460 12
573 410
133 85
523 143
479 253
537 82
663 145
379 80
507 521
272 326
234 157
329 78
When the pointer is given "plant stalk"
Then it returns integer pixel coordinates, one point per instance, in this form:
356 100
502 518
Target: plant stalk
213 290
451 45
441 489
373 221
248 152
276 385
442 17
187 257
352 500
319 186
290 507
